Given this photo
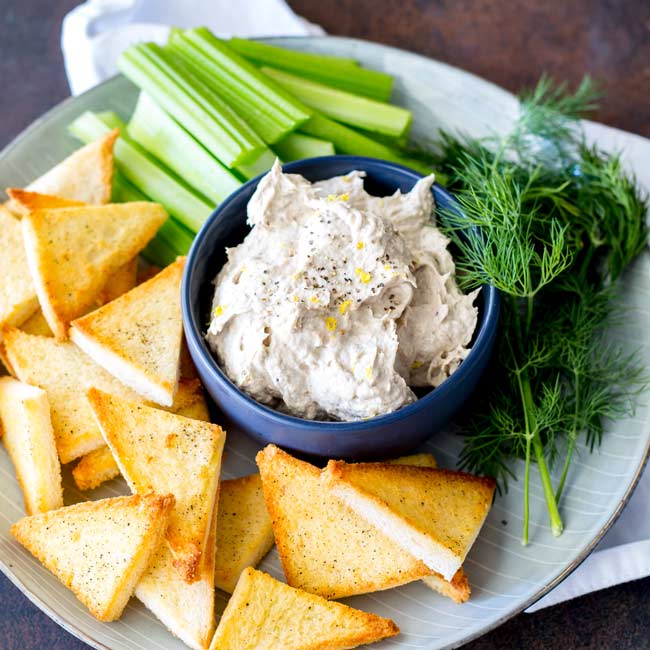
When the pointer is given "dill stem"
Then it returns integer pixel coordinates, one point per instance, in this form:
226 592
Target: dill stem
572 439
524 534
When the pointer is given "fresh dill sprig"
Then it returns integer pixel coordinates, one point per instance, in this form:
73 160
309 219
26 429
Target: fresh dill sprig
552 223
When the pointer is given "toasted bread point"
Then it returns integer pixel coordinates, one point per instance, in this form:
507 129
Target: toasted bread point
137 337
264 614
29 439
65 373
99 466
325 548
23 201
71 253
18 300
244 530
98 549
85 176
431 513
163 452
457 588
186 610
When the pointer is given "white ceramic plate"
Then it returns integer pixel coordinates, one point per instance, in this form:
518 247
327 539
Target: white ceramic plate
505 576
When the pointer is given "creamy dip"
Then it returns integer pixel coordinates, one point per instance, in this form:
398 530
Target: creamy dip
337 302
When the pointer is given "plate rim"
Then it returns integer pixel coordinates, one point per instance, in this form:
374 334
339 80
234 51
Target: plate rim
75 631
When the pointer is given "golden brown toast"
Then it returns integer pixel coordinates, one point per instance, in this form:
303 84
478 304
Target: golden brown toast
433 514
98 549
264 614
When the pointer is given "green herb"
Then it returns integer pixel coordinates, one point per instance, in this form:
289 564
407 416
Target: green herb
552 223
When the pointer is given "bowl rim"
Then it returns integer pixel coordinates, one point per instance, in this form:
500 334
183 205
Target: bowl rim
193 333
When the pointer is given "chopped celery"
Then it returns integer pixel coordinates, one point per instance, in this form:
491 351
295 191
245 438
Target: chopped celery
263 104
349 141
344 106
148 175
333 71
160 134
260 166
297 146
200 110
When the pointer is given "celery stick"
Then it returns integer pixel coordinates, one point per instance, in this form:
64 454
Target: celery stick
297 146
124 191
145 173
345 107
331 70
349 141
160 134
260 166
246 87
201 111
159 252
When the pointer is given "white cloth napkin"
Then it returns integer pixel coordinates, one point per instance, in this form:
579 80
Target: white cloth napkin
97 31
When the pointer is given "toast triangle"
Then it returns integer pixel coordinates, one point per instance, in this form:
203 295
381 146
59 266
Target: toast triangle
325 548
85 176
433 514
244 529
27 434
72 252
25 201
137 337
99 466
98 549
264 614
167 453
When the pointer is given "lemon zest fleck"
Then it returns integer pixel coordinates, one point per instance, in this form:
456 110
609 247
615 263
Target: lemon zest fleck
343 307
296 299
330 323
364 276
360 245
331 197
416 364
387 267
313 299
218 310
368 372
344 197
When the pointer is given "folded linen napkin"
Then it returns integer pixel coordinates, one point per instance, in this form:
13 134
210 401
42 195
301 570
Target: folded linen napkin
97 31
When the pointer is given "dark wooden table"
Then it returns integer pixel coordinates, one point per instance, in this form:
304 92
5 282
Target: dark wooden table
509 43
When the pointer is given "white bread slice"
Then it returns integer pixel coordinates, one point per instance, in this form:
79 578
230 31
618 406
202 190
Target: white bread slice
244 529
325 547
18 300
29 439
85 176
264 614
137 337
186 610
65 373
167 453
37 325
120 282
418 460
433 514
99 466
72 252
98 549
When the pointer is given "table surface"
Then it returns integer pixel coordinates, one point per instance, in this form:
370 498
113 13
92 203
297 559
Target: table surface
509 43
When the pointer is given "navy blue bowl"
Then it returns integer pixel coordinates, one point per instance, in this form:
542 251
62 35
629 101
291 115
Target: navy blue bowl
379 437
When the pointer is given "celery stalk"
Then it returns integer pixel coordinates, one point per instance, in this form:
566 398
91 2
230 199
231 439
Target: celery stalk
159 252
349 141
344 106
297 146
260 166
160 134
200 110
333 71
124 191
265 105
148 175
